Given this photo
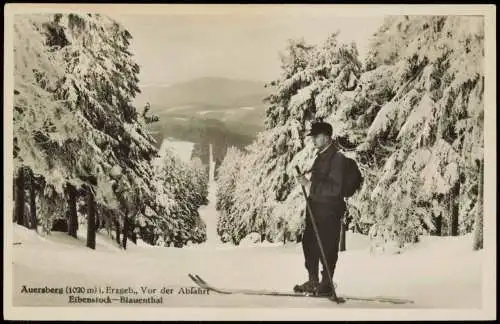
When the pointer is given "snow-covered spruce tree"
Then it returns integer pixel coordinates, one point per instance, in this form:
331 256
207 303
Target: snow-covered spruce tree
310 86
195 192
425 79
79 89
226 183
178 184
200 178
99 82
41 121
133 148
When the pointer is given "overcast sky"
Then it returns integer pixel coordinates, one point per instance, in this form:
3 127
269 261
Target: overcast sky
239 44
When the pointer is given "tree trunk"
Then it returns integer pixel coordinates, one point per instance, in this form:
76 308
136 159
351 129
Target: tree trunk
342 237
125 232
20 197
439 225
343 226
108 224
262 232
133 237
454 204
117 228
91 219
73 216
27 213
478 228
34 224
299 236
98 220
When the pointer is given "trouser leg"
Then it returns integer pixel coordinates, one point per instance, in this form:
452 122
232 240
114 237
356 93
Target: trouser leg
328 218
330 237
311 251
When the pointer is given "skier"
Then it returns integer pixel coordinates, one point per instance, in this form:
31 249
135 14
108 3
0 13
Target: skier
327 205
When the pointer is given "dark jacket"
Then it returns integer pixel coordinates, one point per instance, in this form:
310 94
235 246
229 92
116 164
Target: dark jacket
327 176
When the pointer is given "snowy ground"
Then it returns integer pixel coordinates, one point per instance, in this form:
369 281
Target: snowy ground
436 274
439 272
208 213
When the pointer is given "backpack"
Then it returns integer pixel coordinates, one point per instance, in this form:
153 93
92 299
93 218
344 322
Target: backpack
353 179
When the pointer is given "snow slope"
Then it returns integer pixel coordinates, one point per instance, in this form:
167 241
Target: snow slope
208 213
437 273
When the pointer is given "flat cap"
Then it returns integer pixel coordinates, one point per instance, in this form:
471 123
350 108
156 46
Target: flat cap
320 128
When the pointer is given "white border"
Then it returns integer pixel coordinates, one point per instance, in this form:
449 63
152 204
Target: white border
335 313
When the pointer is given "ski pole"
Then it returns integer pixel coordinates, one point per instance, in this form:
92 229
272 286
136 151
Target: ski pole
316 232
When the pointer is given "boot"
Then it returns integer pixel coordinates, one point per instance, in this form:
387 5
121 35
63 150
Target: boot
310 286
325 287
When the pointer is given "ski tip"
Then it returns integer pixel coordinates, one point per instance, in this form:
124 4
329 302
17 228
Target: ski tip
192 277
199 279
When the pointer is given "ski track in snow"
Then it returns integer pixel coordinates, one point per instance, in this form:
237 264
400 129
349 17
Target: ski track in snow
208 213
436 273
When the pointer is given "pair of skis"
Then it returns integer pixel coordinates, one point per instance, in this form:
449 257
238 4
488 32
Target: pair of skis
203 284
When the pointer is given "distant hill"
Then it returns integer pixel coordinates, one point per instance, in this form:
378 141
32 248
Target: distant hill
218 111
210 91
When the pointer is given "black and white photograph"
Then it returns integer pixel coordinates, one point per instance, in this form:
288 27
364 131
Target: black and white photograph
249 162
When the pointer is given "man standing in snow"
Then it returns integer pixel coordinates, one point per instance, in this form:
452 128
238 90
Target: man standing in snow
327 206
